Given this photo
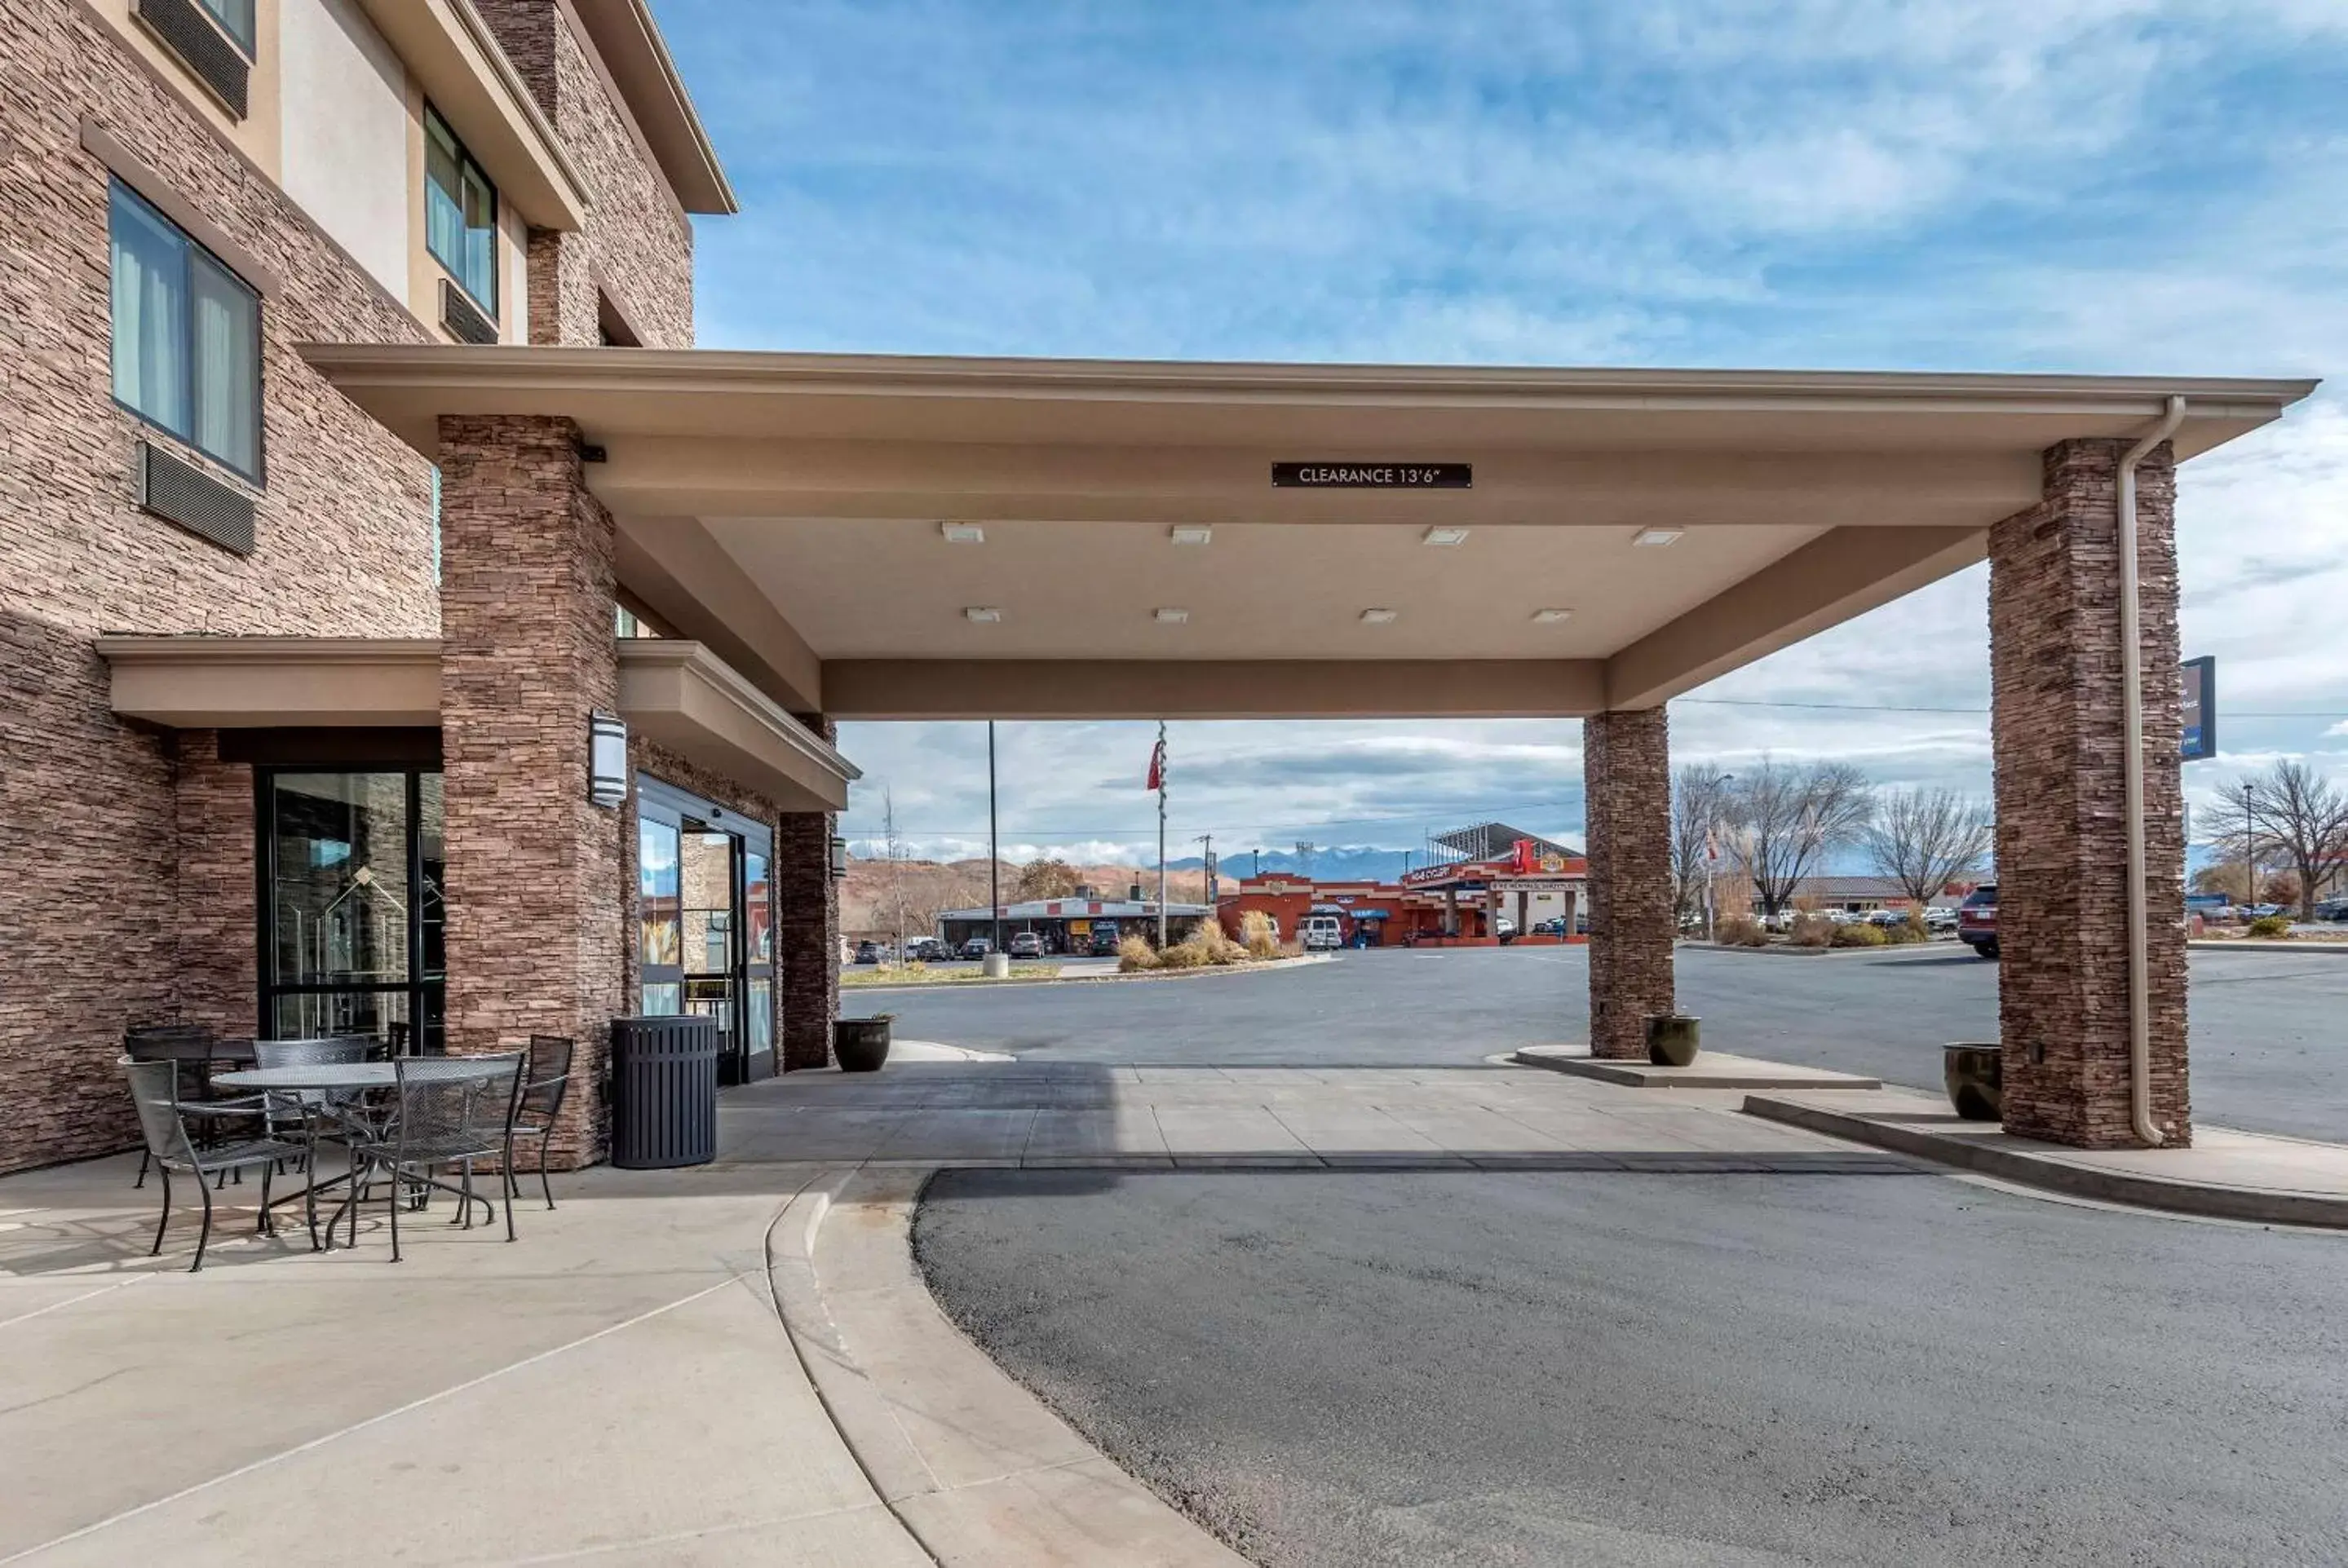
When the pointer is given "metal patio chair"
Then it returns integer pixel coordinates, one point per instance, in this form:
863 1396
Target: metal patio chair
451 1110
185 1047
299 1115
155 1091
544 1083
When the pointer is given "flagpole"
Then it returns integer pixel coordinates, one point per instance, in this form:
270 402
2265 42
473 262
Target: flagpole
1161 835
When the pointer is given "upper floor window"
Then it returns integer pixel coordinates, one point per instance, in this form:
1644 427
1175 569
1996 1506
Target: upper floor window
187 336
460 213
235 17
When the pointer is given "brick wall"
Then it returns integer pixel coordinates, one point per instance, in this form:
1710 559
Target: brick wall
807 928
89 916
533 877
2054 661
637 245
1626 782
213 925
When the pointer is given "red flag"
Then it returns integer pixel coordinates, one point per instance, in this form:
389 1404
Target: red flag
1157 766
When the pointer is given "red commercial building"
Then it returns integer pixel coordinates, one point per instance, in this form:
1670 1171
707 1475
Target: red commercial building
1507 886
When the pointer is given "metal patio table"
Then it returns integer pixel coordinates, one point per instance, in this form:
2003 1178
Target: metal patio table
352 1077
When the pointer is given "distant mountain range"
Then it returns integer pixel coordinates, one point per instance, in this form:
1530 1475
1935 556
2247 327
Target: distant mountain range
1355 863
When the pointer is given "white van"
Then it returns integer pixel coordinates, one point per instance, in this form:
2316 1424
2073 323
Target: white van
1320 934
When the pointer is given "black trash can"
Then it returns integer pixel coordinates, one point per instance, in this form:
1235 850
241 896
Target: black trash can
663 1092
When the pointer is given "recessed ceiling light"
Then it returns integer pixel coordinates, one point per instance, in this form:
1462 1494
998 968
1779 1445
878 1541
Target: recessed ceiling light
1447 536
1377 617
983 613
1191 533
1550 617
962 533
1170 615
1657 536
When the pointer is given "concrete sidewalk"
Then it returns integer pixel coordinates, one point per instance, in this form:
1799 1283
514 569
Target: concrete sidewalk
1066 1116
615 1387
2225 1174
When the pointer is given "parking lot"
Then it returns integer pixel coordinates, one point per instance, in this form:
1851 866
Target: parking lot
2269 1046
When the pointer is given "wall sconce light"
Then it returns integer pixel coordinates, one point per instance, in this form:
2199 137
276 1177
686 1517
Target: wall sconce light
839 860
607 759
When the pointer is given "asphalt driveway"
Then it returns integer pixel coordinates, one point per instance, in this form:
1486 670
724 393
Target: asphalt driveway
1585 1369
2270 1032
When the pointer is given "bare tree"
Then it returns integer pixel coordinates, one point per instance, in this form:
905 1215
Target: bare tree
2292 816
1786 819
1697 805
1925 839
1047 878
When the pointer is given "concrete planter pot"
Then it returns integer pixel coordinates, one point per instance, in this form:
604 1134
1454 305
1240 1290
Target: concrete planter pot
861 1044
1672 1038
1975 1076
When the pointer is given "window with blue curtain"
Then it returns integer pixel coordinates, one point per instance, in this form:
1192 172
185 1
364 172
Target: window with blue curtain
460 213
187 336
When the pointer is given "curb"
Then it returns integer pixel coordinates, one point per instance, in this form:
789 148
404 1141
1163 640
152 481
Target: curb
1788 950
1308 960
2247 945
974 1467
1635 1074
2258 1206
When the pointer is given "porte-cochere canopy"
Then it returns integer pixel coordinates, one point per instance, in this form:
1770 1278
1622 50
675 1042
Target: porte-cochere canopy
792 512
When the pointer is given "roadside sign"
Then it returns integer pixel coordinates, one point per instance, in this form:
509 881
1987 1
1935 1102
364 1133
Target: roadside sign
2200 708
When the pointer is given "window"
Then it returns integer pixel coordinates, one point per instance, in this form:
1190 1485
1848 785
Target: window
187 336
460 213
235 17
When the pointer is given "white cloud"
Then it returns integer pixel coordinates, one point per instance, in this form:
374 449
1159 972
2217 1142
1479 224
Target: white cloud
2117 185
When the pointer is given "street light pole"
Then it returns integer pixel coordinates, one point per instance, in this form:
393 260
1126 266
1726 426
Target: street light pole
993 852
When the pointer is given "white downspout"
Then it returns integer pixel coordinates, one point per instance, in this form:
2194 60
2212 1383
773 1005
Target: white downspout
2132 775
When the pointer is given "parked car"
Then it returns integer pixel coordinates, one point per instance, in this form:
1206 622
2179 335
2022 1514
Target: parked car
2331 909
1555 925
1502 928
1104 939
1024 945
2261 911
1321 933
1887 916
927 949
1977 920
867 952
976 948
1939 920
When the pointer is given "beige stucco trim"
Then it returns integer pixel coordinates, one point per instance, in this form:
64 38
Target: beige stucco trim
454 58
197 682
1212 689
1841 574
695 590
1326 411
684 697
258 136
675 692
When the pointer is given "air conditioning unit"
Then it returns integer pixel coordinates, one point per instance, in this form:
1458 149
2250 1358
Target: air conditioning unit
181 27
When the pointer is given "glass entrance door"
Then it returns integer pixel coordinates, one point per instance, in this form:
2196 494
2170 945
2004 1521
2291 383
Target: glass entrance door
706 927
708 881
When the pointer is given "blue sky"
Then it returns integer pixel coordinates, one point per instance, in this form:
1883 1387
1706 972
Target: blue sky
2090 184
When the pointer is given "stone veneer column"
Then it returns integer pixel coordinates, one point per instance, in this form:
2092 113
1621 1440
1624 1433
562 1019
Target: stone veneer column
1627 786
528 653
807 928
2054 661
212 919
